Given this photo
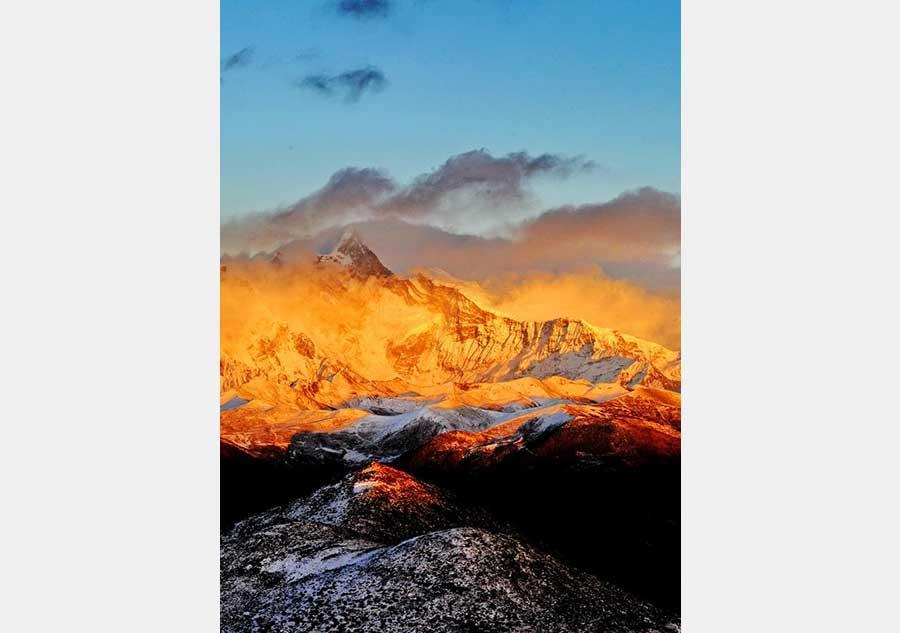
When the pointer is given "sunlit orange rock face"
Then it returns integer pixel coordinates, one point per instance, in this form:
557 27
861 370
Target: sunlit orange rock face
342 345
641 426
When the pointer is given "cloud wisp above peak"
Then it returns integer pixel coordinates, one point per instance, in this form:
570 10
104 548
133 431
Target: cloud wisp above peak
364 9
350 85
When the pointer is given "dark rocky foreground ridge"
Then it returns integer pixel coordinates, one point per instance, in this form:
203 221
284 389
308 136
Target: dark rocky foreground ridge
595 486
382 551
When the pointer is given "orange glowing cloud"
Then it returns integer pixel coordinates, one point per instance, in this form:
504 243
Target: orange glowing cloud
589 296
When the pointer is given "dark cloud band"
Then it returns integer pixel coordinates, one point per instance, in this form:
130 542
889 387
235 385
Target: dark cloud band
364 9
350 85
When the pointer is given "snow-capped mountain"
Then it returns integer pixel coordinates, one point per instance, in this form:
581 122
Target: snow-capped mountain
348 327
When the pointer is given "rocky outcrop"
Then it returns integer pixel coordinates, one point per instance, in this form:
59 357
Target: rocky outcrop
332 562
381 502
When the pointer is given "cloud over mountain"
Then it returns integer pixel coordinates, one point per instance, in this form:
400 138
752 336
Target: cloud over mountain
466 184
588 295
615 262
611 263
634 236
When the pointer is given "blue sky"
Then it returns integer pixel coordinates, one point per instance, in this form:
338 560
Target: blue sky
599 79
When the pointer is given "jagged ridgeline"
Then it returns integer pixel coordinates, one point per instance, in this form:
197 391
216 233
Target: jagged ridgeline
346 326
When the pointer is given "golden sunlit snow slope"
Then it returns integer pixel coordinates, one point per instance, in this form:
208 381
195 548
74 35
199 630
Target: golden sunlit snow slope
306 327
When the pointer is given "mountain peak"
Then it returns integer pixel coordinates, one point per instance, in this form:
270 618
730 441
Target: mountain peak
351 254
348 238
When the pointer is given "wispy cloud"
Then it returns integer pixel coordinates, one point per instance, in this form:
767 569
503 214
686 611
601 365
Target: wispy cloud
476 179
239 59
349 85
364 9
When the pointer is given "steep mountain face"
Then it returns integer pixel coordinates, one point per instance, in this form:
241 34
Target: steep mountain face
354 257
348 327
464 342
